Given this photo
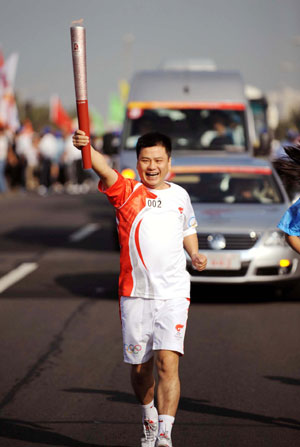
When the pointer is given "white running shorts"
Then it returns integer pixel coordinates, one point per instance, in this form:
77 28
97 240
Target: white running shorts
149 325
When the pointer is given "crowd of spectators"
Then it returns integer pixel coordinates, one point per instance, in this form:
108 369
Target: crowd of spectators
47 162
44 162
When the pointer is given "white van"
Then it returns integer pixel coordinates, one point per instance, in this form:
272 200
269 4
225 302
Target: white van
203 112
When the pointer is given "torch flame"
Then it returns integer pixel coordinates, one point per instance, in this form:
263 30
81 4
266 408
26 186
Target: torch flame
77 22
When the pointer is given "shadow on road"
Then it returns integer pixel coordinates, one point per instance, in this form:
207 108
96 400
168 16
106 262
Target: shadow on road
34 433
284 380
91 285
201 406
105 285
198 406
113 396
43 237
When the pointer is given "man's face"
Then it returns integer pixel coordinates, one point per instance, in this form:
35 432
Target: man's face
153 165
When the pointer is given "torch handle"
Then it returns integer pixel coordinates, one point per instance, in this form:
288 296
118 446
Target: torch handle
84 124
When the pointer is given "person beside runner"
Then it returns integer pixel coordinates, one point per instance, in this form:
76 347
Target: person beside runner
290 225
289 170
156 222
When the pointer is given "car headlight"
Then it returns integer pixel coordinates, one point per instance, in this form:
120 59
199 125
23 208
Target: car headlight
128 173
275 238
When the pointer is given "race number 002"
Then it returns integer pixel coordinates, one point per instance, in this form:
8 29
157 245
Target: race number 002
153 203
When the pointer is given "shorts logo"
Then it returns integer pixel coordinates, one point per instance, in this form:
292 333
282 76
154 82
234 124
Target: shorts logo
132 349
178 328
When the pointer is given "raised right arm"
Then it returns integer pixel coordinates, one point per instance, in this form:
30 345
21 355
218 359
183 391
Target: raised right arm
107 175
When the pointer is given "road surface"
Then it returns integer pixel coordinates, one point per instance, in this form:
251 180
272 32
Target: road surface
62 378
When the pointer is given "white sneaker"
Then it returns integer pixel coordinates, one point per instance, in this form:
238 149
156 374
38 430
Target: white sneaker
150 428
163 440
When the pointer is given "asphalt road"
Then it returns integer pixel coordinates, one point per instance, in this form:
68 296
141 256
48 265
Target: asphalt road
62 378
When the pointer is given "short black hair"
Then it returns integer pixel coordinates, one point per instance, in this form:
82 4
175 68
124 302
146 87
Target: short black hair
154 139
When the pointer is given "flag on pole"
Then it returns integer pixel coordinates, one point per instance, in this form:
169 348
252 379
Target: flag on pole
116 110
8 107
1 58
96 120
124 88
59 116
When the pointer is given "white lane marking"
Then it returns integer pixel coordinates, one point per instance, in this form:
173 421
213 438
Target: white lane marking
15 275
84 232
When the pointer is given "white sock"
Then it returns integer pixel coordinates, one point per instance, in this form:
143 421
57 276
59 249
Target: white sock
149 411
165 424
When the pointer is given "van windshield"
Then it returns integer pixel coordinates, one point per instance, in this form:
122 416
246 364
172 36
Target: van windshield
189 129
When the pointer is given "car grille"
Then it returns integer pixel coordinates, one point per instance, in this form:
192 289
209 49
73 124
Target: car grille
233 241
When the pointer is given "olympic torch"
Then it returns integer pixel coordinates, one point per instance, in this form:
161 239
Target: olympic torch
78 43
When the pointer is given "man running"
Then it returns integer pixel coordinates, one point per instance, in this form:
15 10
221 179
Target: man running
156 222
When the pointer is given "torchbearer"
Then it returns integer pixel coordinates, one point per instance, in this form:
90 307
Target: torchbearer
78 43
156 222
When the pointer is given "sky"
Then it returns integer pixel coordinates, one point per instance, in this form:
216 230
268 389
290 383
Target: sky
260 38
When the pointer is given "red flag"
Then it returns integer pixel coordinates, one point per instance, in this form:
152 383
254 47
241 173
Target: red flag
59 116
1 58
8 107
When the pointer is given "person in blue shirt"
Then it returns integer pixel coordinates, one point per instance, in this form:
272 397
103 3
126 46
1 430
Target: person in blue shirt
290 225
290 221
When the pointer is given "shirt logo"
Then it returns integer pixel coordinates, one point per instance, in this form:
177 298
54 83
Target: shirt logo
192 222
180 210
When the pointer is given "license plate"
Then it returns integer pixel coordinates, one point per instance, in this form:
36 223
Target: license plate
223 261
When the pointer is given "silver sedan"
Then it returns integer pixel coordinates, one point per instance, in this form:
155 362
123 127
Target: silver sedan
238 202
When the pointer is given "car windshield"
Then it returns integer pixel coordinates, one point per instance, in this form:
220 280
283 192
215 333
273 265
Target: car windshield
230 187
189 129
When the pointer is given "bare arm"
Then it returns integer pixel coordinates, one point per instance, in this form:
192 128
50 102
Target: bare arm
190 243
107 175
294 242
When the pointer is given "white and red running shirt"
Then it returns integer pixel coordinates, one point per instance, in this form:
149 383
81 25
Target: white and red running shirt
151 225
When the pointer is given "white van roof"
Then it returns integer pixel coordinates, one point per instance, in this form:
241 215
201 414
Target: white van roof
187 86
